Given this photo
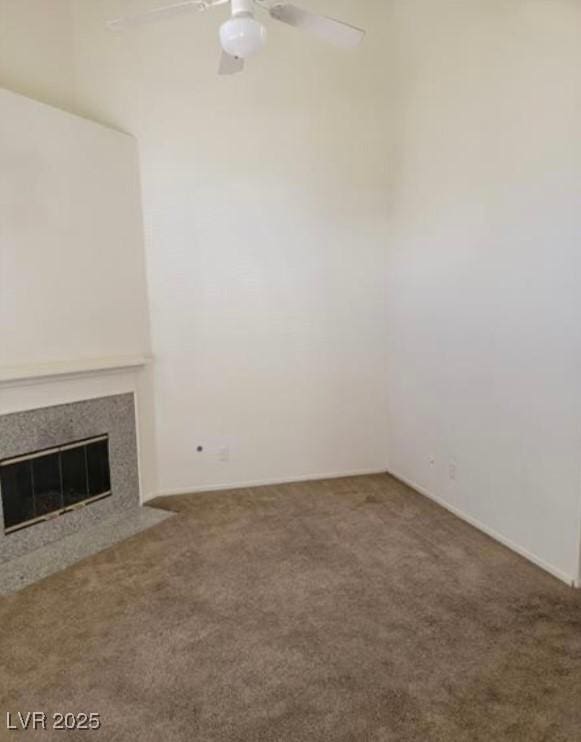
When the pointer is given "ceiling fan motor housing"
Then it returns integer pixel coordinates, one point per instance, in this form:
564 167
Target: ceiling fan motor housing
242 7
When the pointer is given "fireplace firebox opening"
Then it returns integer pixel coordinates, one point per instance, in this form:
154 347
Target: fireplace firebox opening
44 484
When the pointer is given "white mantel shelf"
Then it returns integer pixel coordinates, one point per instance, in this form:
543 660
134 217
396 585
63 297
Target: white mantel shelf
84 367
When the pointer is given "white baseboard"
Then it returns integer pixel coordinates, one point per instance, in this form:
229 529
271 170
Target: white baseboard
265 482
568 579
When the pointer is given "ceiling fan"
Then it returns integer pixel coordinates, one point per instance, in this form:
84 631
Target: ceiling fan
242 35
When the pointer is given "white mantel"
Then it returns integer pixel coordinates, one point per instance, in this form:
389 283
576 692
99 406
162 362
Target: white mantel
38 373
45 385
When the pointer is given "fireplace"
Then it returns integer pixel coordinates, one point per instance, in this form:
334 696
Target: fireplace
65 469
45 484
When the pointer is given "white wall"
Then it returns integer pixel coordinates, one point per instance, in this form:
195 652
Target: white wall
37 49
72 265
483 276
265 202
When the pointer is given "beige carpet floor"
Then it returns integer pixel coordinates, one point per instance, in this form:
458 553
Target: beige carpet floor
345 610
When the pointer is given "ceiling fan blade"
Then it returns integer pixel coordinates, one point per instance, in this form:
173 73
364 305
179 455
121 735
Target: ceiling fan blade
230 65
150 16
329 29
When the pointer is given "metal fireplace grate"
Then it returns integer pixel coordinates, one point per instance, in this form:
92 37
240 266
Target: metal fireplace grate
45 484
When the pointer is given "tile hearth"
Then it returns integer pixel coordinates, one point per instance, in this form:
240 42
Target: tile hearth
33 567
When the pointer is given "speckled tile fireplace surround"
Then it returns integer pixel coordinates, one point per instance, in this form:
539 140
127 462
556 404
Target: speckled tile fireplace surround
48 427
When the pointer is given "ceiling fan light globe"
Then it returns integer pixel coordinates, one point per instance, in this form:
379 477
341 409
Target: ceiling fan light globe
242 37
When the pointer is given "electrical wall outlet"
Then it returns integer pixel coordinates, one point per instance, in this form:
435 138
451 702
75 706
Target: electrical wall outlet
452 470
213 449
